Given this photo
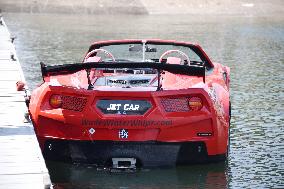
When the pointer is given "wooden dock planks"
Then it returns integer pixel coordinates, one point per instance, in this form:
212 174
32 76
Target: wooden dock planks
21 161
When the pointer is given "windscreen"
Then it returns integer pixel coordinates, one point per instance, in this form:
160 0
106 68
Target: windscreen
151 53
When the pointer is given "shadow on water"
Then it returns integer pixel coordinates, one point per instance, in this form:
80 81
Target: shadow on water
67 176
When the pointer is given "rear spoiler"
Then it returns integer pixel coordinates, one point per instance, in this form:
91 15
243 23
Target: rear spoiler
72 68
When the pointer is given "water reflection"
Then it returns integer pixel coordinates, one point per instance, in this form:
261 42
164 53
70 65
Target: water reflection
67 176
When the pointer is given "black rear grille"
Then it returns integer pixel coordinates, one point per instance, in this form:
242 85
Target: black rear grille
73 103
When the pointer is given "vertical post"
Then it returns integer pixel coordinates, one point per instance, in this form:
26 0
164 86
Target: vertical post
143 49
159 82
204 74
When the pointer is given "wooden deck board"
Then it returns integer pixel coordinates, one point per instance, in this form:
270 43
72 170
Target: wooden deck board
22 181
8 65
21 161
10 75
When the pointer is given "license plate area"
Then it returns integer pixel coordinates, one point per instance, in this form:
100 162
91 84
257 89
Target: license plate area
123 107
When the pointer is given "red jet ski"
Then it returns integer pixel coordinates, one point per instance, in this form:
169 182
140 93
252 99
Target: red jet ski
134 103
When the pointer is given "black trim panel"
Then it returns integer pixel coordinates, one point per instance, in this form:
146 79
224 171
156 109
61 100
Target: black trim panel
148 154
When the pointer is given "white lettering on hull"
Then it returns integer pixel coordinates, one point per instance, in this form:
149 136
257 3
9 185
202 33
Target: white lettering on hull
126 107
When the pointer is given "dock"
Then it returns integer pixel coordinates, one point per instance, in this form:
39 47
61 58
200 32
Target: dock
21 161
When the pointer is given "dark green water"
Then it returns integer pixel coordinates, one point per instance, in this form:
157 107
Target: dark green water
252 47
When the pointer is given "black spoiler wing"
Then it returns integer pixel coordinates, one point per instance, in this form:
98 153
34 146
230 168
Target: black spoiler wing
72 68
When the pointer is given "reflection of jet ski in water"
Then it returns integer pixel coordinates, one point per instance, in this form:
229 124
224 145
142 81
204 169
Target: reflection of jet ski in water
80 176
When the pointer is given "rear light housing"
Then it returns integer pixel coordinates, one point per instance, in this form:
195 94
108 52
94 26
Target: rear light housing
67 102
182 104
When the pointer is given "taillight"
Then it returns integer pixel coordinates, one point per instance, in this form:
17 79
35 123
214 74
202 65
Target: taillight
195 103
55 101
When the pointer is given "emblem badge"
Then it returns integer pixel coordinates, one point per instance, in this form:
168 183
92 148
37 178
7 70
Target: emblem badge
92 131
123 133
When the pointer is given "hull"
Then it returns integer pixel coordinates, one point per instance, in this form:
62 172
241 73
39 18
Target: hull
147 154
163 112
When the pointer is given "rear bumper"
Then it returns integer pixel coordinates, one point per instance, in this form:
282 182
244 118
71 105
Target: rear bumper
147 154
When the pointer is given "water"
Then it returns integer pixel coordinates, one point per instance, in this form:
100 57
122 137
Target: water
252 47
76 176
